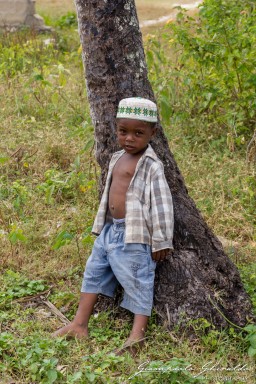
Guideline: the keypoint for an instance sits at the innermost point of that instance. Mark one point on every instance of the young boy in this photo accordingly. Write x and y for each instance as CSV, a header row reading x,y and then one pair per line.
x,y
134,223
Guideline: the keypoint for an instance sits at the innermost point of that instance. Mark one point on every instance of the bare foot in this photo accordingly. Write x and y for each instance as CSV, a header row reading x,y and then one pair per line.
x,y
132,345
72,330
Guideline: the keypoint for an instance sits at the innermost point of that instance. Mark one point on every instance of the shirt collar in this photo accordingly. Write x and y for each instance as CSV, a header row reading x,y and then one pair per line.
x,y
150,153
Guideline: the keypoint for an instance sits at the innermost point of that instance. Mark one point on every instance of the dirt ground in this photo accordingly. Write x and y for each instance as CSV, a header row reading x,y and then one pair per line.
x,y
147,9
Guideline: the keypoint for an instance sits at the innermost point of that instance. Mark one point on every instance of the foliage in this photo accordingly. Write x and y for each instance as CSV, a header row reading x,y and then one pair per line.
x,y
48,199
18,286
203,73
63,185
33,357
211,72
67,20
248,274
22,52
173,371
251,338
36,357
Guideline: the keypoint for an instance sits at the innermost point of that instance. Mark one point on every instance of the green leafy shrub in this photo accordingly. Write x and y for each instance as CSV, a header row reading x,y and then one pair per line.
x,y
209,80
16,286
251,338
248,274
33,358
59,186
25,51
20,53
67,20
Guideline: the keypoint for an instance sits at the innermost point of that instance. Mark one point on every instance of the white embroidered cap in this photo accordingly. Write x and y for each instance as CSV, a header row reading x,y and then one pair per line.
x,y
137,108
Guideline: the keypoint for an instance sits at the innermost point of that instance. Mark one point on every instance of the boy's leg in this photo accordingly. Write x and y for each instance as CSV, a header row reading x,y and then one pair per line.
x,y
79,326
139,328
97,274
136,339
135,270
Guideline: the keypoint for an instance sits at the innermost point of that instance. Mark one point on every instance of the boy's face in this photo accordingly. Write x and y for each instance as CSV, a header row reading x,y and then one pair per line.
x,y
134,135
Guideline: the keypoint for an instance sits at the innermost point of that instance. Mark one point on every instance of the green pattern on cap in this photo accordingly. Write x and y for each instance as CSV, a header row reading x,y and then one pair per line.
x,y
137,108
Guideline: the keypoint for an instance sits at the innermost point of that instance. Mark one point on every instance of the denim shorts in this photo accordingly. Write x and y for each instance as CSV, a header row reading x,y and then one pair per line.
x,y
113,261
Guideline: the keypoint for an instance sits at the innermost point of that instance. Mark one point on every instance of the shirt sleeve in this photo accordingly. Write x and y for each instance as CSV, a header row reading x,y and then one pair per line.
x,y
161,212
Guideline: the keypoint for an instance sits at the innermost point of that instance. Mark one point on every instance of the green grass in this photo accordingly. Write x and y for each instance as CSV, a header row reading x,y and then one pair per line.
x,y
48,199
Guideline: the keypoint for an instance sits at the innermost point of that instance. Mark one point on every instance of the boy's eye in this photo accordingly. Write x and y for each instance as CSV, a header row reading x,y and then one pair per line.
x,y
139,133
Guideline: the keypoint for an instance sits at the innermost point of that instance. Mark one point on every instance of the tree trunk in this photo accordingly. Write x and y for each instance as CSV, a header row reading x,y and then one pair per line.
x,y
199,280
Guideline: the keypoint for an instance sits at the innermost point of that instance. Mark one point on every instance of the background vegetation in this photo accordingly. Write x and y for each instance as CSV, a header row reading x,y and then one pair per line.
x,y
203,73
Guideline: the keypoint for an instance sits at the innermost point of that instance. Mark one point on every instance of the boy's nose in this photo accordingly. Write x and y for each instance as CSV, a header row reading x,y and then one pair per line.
x,y
129,137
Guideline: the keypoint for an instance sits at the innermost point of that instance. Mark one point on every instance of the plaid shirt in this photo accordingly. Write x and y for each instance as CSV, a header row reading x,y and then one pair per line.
x,y
149,209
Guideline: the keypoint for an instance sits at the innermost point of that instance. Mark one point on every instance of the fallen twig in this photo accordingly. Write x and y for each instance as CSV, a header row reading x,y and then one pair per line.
x,y
34,297
41,298
55,311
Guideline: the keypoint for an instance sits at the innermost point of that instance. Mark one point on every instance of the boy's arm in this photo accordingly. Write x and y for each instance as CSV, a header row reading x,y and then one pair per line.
x,y
161,215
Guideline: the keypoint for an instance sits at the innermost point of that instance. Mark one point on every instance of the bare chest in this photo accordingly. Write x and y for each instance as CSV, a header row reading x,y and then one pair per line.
x,y
124,169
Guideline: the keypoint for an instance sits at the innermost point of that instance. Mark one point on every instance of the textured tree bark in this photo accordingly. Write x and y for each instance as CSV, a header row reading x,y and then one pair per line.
x,y
198,280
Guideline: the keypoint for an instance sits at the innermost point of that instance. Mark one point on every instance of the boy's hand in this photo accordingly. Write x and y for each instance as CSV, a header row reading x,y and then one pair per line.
x,y
160,255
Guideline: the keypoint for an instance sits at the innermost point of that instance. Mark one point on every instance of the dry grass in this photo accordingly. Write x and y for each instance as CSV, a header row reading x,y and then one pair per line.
x,y
147,9
55,7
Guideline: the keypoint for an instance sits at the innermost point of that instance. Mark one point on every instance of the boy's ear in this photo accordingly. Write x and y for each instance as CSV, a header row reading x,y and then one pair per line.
x,y
154,129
